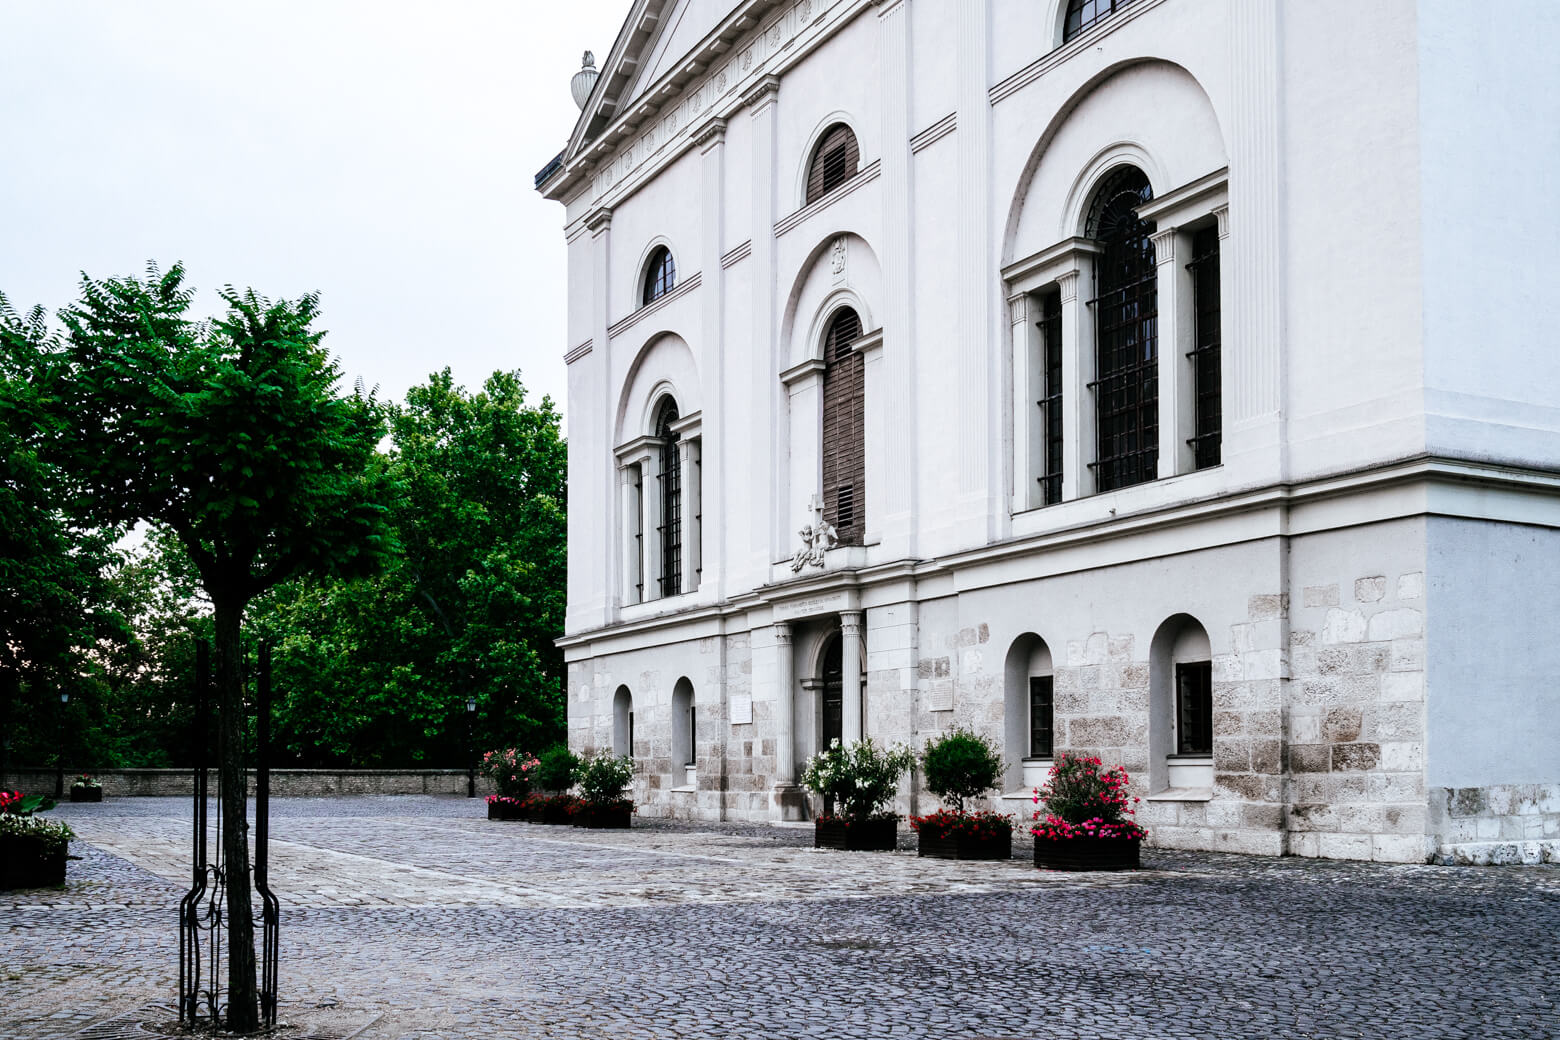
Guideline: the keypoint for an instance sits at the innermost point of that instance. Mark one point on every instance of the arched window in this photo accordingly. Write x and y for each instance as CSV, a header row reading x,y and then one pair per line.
x,y
1126,318
844,429
834,162
623,722
1081,14
670,478
685,748
660,275
1181,706
1030,712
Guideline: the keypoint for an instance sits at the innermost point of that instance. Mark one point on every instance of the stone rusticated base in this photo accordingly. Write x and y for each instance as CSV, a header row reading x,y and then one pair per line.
x,y
1498,853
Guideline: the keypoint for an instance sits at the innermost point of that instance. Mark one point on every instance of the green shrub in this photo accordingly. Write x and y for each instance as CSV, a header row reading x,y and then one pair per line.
x,y
557,769
859,779
960,765
49,836
602,778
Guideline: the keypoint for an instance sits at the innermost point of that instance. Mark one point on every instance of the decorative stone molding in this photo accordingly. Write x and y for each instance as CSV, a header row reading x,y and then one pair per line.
x,y
868,343
818,537
761,95
710,134
737,255
1049,265
575,353
682,289
1083,42
934,133
799,372
598,220
868,174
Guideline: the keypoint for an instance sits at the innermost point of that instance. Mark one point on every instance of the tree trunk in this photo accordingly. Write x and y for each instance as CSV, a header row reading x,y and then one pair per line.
x,y
243,997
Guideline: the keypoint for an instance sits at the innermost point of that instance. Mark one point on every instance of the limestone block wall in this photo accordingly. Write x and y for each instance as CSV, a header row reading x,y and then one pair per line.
x,y
1356,697
1500,824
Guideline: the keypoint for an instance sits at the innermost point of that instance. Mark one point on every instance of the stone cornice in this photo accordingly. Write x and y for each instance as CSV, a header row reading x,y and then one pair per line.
x,y
934,133
737,254
575,353
681,289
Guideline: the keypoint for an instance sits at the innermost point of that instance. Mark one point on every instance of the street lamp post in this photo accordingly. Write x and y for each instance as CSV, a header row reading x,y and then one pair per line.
x,y
471,750
59,753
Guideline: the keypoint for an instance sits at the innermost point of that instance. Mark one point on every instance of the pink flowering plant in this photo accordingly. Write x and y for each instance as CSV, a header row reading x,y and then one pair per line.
x,y
1081,800
510,770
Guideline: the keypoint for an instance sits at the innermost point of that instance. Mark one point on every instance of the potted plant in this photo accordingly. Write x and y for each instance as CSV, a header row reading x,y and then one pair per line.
x,y
957,766
556,772
32,851
602,778
1086,821
511,772
86,789
856,783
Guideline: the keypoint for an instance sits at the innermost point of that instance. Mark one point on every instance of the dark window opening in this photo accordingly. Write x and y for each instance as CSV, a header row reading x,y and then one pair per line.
x,y
1051,404
833,163
660,275
698,517
1126,319
671,502
844,430
1041,716
1208,408
1081,14
630,734
639,533
693,753
1194,708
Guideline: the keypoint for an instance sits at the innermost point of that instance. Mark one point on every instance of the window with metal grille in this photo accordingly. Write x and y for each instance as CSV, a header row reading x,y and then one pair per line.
x,y
844,429
638,477
1208,410
1126,319
1081,14
698,514
671,501
834,162
1194,708
1041,716
1051,404
660,275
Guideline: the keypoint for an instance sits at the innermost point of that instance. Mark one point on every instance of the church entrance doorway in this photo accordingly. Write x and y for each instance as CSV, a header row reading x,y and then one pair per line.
x,y
833,722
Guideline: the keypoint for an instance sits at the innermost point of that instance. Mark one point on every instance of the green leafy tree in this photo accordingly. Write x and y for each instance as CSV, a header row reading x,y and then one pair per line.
x,y
231,435
960,765
377,672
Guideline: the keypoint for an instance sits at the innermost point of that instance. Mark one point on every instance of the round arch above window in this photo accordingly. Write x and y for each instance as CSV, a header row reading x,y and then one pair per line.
x,y
836,160
660,276
1082,15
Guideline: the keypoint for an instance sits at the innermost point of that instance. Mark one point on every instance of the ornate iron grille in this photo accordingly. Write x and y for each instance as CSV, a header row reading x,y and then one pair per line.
x,y
660,275
1081,14
1126,318
1051,404
844,430
1205,353
1041,716
671,502
833,163
1194,708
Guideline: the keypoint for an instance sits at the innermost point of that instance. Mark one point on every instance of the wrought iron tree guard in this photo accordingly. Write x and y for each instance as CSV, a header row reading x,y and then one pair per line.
x,y
201,911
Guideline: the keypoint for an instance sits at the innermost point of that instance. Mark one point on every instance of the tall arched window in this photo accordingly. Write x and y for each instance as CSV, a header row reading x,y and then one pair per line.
x,y
1081,14
1126,318
833,163
660,275
670,477
844,429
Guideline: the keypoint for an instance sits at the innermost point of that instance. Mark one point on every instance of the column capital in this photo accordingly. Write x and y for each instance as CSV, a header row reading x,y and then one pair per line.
x,y
762,94
1018,309
1222,215
1067,285
599,220
782,633
1164,245
712,133
850,622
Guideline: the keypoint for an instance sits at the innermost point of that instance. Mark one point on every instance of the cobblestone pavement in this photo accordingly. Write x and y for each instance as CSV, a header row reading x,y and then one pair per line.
x,y
413,917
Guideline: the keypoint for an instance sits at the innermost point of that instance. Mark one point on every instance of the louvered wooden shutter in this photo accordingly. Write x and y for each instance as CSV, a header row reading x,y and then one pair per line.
x,y
844,430
833,163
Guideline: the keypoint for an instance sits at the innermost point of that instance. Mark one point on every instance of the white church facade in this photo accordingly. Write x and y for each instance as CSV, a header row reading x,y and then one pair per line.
x,y
1168,380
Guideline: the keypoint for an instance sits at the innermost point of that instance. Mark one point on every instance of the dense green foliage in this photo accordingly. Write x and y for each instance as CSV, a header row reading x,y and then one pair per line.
x,y
603,776
857,779
960,765
558,770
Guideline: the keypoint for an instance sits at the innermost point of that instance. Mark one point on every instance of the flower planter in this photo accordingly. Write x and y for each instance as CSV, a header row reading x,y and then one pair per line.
x,y
86,794
556,811
505,810
1087,853
604,816
964,846
856,836
24,864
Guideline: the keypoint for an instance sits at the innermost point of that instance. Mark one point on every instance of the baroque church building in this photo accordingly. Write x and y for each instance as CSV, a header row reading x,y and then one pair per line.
x,y
1172,381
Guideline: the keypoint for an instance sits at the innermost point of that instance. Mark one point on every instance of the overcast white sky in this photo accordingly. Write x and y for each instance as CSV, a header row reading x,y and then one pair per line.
x,y
379,152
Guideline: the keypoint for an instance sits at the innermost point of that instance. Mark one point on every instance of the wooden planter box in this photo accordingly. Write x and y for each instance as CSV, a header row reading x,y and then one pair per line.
x,y
23,864
871,836
1087,853
505,811
556,812
608,816
955,846
86,794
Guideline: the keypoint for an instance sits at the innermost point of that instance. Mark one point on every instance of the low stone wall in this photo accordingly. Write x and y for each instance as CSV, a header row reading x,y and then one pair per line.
x,y
1500,824
285,783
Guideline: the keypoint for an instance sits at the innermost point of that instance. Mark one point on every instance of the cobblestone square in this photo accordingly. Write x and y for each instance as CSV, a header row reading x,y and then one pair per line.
x,y
415,917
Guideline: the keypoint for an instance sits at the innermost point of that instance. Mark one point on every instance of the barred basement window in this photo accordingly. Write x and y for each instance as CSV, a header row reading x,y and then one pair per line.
x,y
1051,404
671,501
834,162
1081,14
660,276
844,429
1126,319
1194,708
1041,716
1208,412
